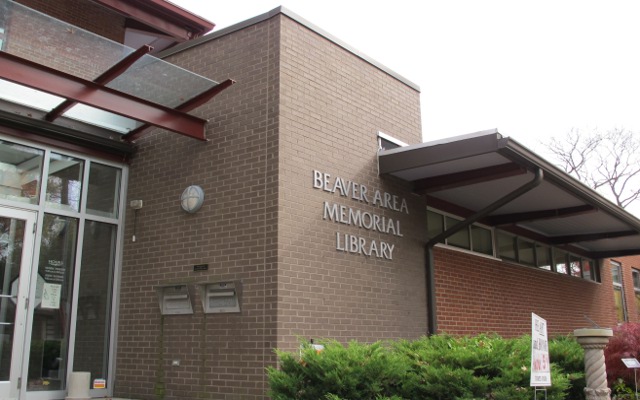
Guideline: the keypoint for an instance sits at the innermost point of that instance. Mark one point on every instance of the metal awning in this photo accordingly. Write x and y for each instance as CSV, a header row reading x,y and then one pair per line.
x,y
465,174
55,67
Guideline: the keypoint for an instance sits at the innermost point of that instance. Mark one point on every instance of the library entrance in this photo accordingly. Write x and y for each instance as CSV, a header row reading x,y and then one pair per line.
x,y
60,226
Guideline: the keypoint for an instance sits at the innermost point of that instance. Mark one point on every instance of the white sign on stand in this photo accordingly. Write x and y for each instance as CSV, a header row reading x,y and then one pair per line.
x,y
540,367
634,364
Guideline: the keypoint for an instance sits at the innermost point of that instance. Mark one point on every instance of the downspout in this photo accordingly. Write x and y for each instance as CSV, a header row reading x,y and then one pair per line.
x,y
429,267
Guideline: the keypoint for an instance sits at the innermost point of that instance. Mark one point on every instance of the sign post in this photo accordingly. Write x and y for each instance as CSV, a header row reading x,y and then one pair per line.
x,y
635,364
540,367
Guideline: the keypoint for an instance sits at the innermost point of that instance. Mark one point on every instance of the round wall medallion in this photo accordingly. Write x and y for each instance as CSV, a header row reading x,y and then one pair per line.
x,y
192,199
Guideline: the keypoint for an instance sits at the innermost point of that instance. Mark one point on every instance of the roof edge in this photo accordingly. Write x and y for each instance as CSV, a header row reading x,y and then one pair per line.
x,y
290,14
588,194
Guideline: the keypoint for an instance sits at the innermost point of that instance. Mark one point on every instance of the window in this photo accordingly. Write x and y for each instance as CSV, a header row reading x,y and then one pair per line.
x,y
575,266
560,261
510,247
388,142
475,238
20,172
589,270
543,256
618,291
507,246
636,287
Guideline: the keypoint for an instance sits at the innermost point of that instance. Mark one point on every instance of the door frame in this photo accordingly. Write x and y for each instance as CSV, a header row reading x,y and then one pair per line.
x,y
16,386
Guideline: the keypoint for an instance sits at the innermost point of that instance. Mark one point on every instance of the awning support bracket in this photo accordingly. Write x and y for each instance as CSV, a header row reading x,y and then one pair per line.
x,y
430,271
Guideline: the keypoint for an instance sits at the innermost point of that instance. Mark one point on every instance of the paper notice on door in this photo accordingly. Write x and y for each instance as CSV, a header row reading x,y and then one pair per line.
x,y
51,293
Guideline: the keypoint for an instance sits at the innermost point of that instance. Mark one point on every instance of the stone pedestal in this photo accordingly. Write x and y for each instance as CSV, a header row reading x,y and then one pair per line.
x,y
593,341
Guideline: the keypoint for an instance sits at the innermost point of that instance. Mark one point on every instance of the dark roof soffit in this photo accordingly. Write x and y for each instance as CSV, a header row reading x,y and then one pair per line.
x,y
458,179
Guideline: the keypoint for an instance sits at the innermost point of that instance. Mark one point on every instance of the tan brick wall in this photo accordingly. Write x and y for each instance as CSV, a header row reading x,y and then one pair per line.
x,y
476,294
261,209
221,356
332,106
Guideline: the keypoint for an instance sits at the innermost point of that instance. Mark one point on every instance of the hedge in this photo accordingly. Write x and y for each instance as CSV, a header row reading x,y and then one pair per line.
x,y
438,367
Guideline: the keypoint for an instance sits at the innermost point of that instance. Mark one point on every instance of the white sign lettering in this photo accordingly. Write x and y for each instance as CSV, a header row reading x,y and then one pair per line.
x,y
342,214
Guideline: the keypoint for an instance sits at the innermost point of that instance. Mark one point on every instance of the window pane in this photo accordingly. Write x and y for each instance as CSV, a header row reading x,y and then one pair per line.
x,y
104,190
620,314
20,172
543,254
482,242
460,238
615,274
506,246
12,233
526,252
435,224
64,184
94,299
50,333
574,266
636,279
588,270
560,261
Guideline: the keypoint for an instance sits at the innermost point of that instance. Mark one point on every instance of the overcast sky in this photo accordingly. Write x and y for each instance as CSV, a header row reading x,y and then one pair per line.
x,y
532,69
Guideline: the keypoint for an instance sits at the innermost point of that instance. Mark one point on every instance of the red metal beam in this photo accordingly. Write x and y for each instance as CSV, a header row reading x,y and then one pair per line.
x,y
186,106
40,77
104,78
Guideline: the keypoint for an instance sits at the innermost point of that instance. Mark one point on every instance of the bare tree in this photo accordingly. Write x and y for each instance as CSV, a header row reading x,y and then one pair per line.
x,y
609,162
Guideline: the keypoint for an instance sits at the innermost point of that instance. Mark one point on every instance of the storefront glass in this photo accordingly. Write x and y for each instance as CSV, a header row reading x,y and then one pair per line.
x,y
94,299
70,284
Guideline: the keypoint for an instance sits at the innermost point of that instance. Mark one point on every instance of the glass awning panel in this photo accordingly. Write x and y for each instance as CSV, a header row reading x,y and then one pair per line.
x,y
72,52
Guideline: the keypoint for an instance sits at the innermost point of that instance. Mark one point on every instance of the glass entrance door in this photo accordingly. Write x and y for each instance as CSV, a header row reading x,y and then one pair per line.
x,y
16,250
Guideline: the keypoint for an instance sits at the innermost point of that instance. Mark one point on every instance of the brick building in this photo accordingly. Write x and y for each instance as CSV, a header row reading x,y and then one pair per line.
x,y
324,216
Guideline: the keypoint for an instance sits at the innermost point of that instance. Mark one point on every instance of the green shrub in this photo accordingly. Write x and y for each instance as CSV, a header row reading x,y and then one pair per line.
x,y
438,367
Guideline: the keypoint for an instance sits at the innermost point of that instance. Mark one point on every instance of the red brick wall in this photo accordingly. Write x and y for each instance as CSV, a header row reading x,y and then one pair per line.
x,y
84,14
222,356
476,294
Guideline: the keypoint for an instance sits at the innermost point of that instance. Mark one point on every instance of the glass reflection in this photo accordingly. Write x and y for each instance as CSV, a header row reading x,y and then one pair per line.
x,y
64,184
91,352
104,190
11,240
20,172
49,339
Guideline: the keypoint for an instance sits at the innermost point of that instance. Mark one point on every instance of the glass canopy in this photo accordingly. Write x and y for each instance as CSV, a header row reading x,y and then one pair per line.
x,y
52,50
